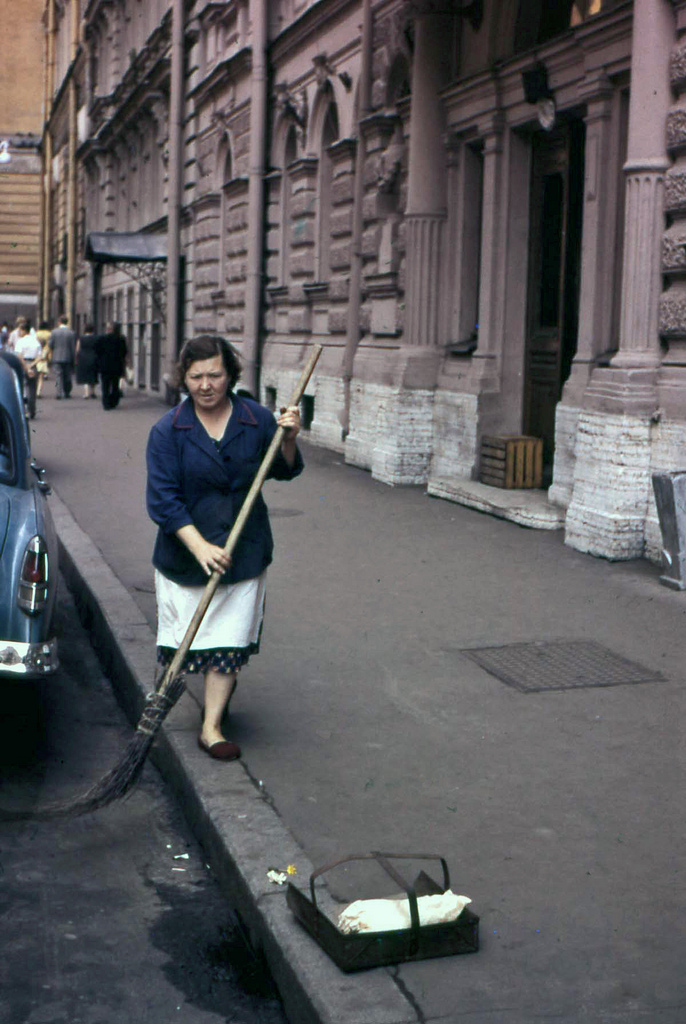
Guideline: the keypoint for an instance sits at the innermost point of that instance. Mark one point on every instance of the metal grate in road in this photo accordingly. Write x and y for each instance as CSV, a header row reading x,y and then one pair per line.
x,y
560,665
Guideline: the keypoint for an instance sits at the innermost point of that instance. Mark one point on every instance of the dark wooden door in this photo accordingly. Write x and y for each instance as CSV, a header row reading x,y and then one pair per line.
x,y
554,264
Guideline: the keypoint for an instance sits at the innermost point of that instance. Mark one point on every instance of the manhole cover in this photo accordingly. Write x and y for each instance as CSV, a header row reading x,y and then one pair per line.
x,y
564,665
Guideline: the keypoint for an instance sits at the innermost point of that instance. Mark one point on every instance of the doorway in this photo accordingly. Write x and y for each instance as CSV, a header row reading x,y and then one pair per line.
x,y
557,187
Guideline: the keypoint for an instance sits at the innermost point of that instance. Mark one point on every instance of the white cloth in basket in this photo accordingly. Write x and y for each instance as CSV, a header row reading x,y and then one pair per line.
x,y
393,914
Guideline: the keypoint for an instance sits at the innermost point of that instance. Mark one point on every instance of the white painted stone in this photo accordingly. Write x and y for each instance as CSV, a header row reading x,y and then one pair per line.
x,y
454,442
566,423
607,513
526,508
390,432
328,394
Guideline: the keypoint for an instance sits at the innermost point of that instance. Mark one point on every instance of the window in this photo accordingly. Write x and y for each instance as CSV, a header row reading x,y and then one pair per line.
x,y
227,175
539,20
329,136
290,153
7,467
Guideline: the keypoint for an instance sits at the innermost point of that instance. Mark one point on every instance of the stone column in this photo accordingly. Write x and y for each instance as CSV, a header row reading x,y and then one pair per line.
x,y
394,382
597,246
672,376
597,277
669,433
426,191
647,162
611,490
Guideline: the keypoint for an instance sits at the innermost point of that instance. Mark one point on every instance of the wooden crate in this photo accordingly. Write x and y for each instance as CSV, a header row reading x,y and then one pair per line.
x,y
512,461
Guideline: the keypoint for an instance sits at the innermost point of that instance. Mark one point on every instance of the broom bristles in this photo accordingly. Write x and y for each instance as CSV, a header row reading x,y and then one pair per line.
x,y
121,779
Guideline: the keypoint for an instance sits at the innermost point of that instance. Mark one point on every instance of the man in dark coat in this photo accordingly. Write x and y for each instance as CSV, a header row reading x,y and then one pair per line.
x,y
111,355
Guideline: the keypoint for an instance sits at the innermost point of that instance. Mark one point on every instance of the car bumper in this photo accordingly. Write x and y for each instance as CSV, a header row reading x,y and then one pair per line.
x,y
28,660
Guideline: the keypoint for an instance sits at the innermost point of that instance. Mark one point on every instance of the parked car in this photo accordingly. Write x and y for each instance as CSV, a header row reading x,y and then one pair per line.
x,y
28,546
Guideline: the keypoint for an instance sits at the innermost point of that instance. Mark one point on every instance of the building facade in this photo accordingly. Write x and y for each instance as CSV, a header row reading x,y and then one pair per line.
x,y
478,209
21,122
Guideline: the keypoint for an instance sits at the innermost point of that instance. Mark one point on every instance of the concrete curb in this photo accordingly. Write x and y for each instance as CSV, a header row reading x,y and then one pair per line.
x,y
231,816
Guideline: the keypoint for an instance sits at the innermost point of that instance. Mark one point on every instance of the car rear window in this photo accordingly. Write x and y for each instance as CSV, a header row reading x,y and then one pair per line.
x,y
7,457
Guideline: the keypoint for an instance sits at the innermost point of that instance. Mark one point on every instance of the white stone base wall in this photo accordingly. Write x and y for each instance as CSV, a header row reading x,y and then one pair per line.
x,y
454,442
329,401
282,381
328,394
668,453
607,513
566,425
390,432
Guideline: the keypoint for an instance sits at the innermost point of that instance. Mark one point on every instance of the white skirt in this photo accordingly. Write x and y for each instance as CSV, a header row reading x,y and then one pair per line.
x,y
233,619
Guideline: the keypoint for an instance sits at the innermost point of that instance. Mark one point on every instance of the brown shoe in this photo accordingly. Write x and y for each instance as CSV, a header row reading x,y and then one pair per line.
x,y
220,750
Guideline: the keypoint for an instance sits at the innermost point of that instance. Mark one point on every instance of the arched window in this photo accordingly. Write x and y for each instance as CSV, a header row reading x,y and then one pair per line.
x,y
329,136
289,155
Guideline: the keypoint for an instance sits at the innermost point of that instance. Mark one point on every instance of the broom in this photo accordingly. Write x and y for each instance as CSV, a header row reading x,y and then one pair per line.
x,y
121,779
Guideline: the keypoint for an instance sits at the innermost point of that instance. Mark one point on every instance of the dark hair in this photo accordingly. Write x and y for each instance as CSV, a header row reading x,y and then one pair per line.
x,y
89,328
207,346
44,326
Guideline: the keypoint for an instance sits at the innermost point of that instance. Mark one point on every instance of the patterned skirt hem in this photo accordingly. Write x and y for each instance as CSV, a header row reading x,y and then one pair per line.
x,y
219,659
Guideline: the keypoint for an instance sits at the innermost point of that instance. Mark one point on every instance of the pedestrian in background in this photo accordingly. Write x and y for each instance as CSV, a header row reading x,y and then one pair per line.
x,y
43,364
87,361
111,356
4,335
202,458
63,350
14,335
28,350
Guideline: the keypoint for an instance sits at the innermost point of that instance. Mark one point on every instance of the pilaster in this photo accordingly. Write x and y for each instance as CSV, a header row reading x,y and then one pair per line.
x,y
600,205
597,277
426,190
672,375
611,487
393,384
484,360
424,262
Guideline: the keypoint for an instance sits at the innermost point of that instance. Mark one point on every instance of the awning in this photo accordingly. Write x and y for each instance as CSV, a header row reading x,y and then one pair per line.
x,y
125,247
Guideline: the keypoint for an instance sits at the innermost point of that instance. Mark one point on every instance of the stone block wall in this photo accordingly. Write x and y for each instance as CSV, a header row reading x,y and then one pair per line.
x,y
454,439
206,230
277,385
609,506
391,432
566,424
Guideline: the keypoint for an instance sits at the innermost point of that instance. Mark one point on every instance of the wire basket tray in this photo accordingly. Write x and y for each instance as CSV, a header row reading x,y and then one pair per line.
x,y
357,951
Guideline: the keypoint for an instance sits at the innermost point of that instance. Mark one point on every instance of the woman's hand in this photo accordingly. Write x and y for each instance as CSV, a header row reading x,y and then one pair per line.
x,y
290,421
210,557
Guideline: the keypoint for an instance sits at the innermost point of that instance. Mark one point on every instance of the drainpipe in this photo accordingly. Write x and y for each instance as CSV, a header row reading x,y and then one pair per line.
x,y
46,219
174,190
71,192
355,293
256,225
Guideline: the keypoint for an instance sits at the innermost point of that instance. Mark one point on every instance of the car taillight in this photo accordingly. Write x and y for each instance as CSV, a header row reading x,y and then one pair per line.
x,y
33,580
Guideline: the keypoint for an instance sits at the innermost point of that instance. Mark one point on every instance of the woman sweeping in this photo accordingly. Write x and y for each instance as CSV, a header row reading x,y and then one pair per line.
x,y
202,457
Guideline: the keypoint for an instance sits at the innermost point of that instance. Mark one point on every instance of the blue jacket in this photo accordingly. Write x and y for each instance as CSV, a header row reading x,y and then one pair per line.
x,y
192,480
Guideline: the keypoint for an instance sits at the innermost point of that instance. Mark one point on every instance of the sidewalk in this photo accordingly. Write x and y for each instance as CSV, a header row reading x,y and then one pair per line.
x,y
364,725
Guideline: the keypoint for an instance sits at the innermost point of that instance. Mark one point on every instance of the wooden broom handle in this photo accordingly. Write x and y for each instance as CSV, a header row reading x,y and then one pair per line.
x,y
237,528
